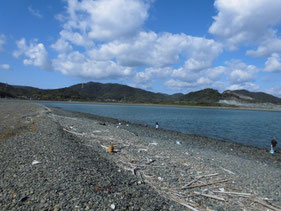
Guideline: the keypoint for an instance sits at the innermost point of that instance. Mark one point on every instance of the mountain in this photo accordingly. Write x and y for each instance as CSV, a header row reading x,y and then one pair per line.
x,y
87,92
213,97
250,97
92,91
205,95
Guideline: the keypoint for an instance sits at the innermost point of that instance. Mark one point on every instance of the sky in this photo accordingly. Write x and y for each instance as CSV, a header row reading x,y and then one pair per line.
x,y
167,46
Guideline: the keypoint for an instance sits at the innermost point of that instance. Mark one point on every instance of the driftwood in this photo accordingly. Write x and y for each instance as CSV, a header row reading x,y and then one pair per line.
x,y
74,133
266,204
234,193
210,196
195,180
207,184
183,203
228,171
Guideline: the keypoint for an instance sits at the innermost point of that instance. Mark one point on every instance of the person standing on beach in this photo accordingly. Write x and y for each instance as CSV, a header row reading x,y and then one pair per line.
x,y
157,125
273,144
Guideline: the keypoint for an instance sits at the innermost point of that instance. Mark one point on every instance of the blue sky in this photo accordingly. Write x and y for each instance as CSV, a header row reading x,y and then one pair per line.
x,y
158,45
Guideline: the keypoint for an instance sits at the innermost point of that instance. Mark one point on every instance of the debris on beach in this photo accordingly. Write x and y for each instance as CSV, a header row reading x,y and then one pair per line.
x,y
112,206
153,143
189,177
35,162
110,148
178,142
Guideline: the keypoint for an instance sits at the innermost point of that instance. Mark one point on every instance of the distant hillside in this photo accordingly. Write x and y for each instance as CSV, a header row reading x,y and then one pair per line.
x,y
121,93
205,95
213,97
250,97
88,92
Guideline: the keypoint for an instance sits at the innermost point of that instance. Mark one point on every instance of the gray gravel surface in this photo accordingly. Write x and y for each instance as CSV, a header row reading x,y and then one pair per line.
x,y
44,167
149,170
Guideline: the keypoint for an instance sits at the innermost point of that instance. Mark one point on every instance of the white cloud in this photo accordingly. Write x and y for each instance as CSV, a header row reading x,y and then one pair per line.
x,y
77,64
244,21
190,80
34,12
273,63
5,66
240,72
104,20
35,54
276,91
266,48
249,86
2,41
62,46
106,40
151,49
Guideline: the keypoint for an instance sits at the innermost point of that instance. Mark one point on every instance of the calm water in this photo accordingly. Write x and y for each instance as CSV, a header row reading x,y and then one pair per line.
x,y
242,126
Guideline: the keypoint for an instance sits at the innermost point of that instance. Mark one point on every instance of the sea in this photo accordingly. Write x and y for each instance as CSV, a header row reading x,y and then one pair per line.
x,y
248,127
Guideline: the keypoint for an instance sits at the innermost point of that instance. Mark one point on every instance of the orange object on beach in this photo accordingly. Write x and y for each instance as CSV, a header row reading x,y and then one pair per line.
x,y
110,148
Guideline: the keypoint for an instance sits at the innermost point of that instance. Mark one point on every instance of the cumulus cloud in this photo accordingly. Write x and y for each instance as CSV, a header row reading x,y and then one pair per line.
x,y
194,80
102,20
35,54
151,49
99,29
2,41
273,63
266,48
241,74
244,21
62,45
5,66
69,64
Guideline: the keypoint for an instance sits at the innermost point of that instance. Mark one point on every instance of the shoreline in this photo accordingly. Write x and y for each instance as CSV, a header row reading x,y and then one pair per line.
x,y
147,104
226,146
176,132
150,169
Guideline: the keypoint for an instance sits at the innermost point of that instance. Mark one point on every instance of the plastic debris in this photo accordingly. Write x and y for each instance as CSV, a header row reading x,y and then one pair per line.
x,y
153,143
35,162
160,179
110,148
178,142
112,206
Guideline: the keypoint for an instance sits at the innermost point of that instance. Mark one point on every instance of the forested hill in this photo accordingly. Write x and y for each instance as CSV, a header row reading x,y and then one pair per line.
x,y
92,91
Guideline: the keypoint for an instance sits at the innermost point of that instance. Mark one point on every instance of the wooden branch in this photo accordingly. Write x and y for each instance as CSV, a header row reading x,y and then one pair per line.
x,y
207,184
195,180
234,193
183,203
210,196
228,171
266,204
74,133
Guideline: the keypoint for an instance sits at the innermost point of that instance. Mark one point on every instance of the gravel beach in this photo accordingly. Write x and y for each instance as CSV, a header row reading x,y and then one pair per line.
x,y
53,159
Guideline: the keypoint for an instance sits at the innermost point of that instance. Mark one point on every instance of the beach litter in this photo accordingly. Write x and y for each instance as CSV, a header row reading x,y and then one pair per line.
x,y
112,206
178,142
153,143
35,162
110,148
